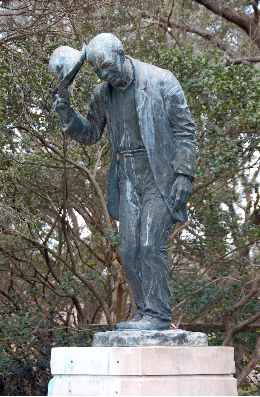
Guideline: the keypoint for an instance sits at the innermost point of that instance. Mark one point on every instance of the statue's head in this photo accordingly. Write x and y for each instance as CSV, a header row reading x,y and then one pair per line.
x,y
105,55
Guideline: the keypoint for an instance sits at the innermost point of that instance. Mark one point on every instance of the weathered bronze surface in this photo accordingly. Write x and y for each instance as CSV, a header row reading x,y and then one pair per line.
x,y
152,165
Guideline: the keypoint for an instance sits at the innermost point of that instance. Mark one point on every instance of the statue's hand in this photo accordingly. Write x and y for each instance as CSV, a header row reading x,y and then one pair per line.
x,y
61,105
181,191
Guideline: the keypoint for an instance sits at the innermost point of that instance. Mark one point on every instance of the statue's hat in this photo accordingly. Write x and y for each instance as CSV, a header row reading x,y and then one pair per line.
x,y
64,64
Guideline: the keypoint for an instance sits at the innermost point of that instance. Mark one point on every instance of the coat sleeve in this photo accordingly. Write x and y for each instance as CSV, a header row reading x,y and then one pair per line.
x,y
90,129
182,127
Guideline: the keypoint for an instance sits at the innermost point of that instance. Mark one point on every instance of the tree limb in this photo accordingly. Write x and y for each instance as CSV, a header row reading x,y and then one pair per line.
x,y
211,326
238,61
246,299
230,14
256,10
200,32
9,297
251,365
239,327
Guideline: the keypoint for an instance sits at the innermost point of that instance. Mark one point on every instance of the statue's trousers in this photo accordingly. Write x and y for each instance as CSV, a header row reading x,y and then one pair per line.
x,y
145,223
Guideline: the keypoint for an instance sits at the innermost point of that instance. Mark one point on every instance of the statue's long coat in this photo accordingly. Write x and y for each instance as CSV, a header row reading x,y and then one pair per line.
x,y
165,124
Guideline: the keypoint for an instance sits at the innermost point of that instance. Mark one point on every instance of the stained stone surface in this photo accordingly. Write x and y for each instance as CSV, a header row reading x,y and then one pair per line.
x,y
168,338
143,371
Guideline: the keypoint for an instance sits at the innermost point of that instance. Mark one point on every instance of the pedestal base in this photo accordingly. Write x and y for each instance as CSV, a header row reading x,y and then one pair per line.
x,y
142,371
177,337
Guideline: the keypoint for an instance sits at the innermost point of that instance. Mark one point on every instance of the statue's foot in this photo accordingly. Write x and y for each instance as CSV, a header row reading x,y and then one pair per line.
x,y
147,323
125,324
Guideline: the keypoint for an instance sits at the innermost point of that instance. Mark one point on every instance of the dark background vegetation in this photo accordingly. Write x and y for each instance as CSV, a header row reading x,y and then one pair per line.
x,y
61,276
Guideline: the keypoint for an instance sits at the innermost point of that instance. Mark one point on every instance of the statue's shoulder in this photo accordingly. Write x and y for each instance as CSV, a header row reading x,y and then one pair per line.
x,y
154,72
162,73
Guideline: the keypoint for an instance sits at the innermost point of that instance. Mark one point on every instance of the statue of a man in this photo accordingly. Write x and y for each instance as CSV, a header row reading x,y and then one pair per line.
x,y
152,165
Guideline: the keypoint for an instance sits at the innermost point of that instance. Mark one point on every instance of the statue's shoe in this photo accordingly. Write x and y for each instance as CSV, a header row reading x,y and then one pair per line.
x,y
125,324
147,323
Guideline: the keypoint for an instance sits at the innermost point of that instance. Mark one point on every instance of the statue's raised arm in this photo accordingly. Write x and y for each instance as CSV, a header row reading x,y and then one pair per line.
x,y
64,65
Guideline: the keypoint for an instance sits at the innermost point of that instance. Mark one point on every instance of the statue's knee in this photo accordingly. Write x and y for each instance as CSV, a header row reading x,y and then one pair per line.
x,y
146,249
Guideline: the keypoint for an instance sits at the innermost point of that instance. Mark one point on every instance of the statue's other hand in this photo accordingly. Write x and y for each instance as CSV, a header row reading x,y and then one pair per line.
x,y
181,191
61,104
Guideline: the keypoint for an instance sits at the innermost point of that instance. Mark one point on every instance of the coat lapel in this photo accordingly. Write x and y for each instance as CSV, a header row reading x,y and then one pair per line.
x,y
143,100
113,193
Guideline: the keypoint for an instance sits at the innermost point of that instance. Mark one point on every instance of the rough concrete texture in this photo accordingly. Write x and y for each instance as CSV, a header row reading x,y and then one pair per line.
x,y
168,338
142,371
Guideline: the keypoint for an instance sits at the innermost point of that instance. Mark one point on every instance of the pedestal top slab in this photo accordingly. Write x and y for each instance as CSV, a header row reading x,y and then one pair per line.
x,y
143,361
168,338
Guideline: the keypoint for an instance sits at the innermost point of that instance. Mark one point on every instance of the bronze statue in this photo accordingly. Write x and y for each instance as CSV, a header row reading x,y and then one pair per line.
x,y
152,165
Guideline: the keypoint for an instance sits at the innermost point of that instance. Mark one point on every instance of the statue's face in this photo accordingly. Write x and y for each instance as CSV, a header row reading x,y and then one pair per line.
x,y
108,65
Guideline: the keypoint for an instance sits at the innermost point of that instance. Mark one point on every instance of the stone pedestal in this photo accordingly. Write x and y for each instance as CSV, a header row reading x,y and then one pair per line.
x,y
168,370
169,338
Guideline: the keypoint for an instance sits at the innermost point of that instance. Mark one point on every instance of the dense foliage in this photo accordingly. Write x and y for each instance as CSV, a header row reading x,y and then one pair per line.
x,y
61,276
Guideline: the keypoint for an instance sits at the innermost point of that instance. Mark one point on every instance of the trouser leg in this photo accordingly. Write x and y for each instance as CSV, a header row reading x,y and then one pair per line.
x,y
129,230
145,223
156,222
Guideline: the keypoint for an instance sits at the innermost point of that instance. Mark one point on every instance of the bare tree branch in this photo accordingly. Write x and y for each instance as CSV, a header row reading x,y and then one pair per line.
x,y
256,10
234,16
8,296
251,365
200,32
246,299
238,61
211,326
239,327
